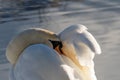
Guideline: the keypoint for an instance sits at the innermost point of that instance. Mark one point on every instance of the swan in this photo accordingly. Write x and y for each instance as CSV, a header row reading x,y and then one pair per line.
x,y
39,54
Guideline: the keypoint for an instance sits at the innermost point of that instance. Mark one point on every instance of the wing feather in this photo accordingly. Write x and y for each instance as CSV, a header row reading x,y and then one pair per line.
x,y
39,62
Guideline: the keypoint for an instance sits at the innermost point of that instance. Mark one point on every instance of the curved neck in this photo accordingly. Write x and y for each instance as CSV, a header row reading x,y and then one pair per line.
x,y
25,39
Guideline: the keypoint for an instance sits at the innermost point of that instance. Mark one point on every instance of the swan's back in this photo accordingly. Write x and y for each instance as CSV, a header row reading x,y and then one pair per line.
x,y
39,62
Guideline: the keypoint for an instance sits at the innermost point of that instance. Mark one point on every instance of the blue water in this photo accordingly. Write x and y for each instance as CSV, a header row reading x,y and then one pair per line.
x,y
102,17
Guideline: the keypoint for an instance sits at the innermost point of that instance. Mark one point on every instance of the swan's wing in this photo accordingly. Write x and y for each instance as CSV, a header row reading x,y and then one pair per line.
x,y
79,34
86,46
39,62
85,43
79,42
90,41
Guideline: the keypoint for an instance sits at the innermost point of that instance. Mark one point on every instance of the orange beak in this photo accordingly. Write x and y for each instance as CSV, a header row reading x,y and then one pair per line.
x,y
58,50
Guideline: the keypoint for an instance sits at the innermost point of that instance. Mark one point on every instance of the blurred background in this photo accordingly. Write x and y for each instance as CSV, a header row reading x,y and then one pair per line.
x,y
102,17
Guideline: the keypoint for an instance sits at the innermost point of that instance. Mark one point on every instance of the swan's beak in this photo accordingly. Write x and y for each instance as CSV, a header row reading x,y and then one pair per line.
x,y
57,45
57,48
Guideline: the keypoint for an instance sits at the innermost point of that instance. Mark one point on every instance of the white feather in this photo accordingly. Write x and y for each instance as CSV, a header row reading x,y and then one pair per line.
x,y
78,41
40,61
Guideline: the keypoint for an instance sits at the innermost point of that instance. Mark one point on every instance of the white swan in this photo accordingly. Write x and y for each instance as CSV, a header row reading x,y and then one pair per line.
x,y
38,54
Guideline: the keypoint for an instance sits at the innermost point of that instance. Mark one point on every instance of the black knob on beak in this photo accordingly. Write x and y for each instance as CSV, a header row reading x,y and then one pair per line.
x,y
56,43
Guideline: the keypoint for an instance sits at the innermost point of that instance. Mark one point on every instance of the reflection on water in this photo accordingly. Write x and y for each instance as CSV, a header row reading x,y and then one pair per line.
x,y
11,10
101,17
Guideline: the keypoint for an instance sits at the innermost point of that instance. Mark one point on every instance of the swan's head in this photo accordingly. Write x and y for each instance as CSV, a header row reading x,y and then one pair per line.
x,y
29,37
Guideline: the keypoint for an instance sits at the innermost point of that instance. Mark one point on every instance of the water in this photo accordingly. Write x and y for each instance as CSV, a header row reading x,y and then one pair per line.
x,y
101,17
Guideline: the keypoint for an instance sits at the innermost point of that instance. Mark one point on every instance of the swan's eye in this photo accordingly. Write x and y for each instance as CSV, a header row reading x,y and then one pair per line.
x,y
56,43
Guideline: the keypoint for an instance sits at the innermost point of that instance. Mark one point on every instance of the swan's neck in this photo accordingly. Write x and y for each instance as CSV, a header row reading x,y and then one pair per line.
x,y
22,41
